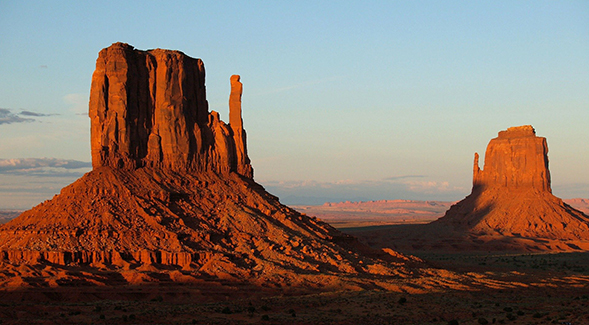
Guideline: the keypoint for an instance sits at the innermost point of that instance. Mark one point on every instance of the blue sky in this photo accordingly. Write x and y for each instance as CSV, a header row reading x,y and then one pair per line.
x,y
342,99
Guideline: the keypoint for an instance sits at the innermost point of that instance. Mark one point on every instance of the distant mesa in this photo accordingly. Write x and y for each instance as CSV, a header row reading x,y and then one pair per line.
x,y
172,187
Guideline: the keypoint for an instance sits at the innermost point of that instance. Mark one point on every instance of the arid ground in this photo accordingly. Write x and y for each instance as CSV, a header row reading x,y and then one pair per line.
x,y
500,288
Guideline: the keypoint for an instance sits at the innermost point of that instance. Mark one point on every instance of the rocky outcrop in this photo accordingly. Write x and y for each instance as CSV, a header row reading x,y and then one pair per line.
x,y
516,160
512,196
235,121
149,108
172,185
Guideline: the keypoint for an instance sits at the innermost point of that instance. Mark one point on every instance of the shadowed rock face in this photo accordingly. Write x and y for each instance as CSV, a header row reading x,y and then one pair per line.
x,y
512,195
149,108
172,185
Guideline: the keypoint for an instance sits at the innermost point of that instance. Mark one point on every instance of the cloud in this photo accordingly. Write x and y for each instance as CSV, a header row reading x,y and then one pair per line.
x,y
35,114
396,178
397,187
7,117
44,167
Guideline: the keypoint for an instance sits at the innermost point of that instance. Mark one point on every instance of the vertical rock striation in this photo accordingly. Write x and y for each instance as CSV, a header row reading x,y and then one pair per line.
x,y
149,108
516,160
512,196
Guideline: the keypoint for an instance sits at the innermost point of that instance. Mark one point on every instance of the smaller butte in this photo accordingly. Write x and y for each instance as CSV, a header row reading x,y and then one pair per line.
x,y
511,207
511,195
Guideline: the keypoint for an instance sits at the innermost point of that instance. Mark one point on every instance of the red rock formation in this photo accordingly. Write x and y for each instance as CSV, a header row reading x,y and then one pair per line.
x,y
236,123
516,159
512,196
149,108
172,185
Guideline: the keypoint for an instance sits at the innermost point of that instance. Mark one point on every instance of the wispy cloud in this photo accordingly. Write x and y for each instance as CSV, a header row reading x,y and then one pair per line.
x,y
396,187
7,117
35,114
44,167
396,178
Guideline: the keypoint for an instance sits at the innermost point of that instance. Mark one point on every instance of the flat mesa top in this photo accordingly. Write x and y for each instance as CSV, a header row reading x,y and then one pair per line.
x,y
518,132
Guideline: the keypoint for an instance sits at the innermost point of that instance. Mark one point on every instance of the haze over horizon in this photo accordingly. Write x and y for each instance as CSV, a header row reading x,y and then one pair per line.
x,y
342,100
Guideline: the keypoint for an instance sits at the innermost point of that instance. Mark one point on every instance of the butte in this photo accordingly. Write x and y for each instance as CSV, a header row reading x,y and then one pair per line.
x,y
511,207
172,188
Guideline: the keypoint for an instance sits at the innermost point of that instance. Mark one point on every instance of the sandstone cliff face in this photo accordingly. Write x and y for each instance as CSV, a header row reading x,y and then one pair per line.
x,y
516,159
172,185
512,195
149,108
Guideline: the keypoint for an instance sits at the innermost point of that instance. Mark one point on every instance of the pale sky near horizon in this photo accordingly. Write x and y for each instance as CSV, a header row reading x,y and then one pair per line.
x,y
343,100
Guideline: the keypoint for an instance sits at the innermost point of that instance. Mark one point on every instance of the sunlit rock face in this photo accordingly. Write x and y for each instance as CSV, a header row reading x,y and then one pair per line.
x,y
149,108
172,185
515,160
511,195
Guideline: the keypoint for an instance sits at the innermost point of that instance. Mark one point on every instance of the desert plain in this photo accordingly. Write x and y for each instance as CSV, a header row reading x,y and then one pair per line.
x,y
502,288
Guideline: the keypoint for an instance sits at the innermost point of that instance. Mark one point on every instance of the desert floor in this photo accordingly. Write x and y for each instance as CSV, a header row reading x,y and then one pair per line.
x,y
518,289
547,289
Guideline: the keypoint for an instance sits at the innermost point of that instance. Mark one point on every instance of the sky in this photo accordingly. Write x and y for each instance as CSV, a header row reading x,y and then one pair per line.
x,y
343,100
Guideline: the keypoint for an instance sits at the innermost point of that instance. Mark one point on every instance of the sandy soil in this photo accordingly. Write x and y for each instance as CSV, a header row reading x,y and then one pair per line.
x,y
518,289
456,288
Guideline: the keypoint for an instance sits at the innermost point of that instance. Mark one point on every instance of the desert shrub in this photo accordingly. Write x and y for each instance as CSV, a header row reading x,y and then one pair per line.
x,y
402,300
520,313
265,317
510,316
483,321
508,309
453,322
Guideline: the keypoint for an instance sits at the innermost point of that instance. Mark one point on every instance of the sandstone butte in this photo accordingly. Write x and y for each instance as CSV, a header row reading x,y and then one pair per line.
x,y
511,196
511,208
172,187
